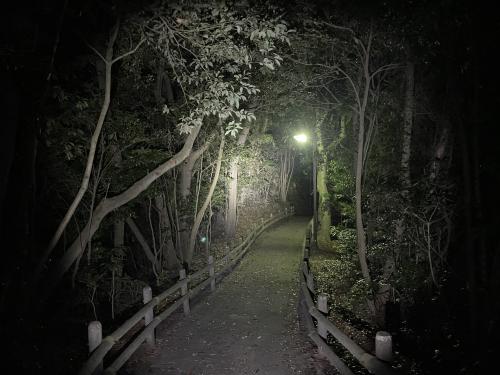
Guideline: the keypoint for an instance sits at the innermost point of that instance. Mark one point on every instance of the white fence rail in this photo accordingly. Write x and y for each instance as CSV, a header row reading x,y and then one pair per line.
x,y
187,287
318,334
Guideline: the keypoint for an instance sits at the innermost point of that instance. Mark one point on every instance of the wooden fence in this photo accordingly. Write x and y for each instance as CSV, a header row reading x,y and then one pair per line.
x,y
186,288
318,313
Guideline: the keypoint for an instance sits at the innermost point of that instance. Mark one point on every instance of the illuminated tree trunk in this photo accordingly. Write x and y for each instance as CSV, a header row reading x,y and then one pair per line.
x,y
107,205
201,212
287,160
187,170
185,215
324,215
232,189
108,61
360,230
90,157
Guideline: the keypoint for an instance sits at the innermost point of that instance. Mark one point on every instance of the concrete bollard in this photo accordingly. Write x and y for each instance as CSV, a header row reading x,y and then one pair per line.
x,y
322,306
184,291
147,296
95,338
383,346
211,272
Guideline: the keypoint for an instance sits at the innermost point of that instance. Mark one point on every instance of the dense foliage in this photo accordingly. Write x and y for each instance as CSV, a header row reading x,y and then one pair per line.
x,y
136,133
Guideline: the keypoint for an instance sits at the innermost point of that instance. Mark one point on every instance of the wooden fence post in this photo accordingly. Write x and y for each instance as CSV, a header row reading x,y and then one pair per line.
x,y
95,339
322,306
147,296
383,346
310,282
211,271
184,290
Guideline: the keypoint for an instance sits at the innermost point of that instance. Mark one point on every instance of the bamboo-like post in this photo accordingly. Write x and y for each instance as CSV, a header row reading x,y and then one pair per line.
x,y
184,291
211,272
147,296
322,306
95,338
383,346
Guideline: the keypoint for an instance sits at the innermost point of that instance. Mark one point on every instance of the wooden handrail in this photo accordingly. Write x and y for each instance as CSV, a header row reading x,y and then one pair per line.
x,y
367,360
97,356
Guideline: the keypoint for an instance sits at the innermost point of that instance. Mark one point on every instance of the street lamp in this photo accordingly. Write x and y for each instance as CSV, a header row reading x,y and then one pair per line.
x,y
302,138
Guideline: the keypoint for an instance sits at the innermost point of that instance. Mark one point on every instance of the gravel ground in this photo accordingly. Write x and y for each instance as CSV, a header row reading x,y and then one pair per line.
x,y
249,325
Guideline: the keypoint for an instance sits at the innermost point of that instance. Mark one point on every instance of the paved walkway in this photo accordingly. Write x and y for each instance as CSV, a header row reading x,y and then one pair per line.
x,y
248,325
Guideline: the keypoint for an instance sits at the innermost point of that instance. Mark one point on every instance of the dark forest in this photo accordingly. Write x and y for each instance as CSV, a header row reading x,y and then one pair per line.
x,y
143,143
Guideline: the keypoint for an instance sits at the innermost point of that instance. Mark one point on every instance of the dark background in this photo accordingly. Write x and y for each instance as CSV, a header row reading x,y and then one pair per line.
x,y
38,38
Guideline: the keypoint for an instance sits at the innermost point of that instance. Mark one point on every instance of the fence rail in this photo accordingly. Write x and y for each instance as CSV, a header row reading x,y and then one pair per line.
x,y
318,334
99,347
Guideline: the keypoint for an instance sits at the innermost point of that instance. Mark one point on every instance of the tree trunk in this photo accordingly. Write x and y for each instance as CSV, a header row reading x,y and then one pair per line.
x,y
186,176
90,157
360,230
119,224
232,189
166,244
107,205
118,233
407,128
287,159
201,212
324,215
383,293
187,170
142,241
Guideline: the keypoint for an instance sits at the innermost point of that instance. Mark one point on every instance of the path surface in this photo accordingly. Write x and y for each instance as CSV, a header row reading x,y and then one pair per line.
x,y
248,325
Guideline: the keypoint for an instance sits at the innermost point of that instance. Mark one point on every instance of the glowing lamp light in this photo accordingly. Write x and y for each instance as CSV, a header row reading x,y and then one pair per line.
x,y
301,138
203,239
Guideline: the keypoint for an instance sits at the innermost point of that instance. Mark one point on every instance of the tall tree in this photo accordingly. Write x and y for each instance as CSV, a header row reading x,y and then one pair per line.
x,y
214,73
232,188
287,161
203,208
108,61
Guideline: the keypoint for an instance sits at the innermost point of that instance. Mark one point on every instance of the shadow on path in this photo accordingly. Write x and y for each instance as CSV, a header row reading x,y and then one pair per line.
x,y
248,325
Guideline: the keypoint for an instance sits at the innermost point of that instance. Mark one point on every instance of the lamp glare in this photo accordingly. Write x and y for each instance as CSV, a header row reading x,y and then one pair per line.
x,y
301,138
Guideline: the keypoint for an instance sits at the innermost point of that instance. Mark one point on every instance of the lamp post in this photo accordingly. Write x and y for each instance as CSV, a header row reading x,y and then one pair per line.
x,y
302,138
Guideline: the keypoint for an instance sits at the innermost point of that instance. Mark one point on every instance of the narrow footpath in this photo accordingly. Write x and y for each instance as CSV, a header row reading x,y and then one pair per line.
x,y
249,325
